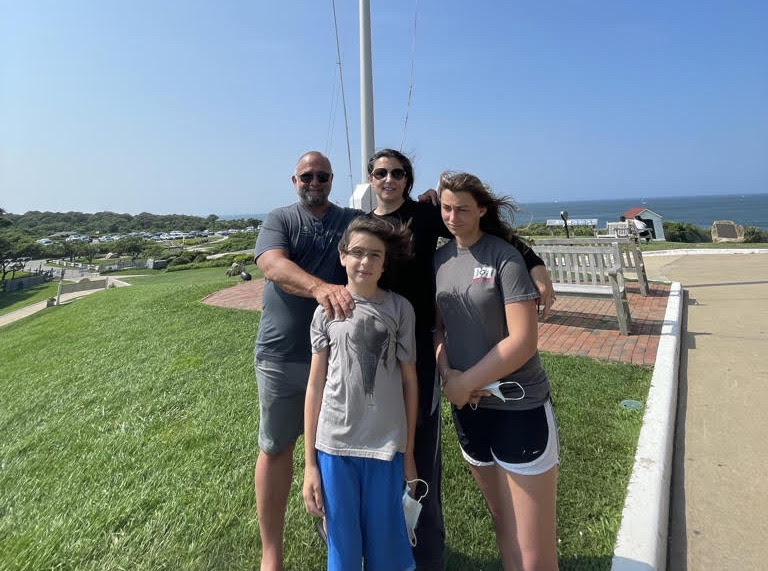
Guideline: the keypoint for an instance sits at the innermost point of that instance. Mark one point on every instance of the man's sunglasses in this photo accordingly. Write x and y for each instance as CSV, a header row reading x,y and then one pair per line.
x,y
381,174
322,177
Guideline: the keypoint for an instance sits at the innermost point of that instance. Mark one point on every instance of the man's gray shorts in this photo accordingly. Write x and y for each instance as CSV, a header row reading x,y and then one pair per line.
x,y
282,387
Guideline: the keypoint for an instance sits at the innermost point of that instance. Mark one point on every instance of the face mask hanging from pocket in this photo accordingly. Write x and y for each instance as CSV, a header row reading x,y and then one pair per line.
x,y
412,509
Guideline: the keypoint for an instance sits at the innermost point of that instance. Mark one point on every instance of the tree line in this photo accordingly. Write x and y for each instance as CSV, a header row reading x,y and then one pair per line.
x,y
43,224
19,233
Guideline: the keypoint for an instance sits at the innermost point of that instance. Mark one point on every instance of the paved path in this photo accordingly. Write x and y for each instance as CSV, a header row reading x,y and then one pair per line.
x,y
577,326
719,505
7,318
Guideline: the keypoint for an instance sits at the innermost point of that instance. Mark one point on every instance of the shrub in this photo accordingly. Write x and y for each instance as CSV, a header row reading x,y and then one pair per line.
x,y
541,229
226,261
685,232
234,242
182,259
243,259
753,235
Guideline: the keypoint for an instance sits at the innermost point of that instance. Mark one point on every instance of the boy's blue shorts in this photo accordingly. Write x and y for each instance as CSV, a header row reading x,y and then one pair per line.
x,y
364,513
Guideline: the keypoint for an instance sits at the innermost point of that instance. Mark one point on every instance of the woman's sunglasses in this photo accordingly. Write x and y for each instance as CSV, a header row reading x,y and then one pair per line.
x,y
381,174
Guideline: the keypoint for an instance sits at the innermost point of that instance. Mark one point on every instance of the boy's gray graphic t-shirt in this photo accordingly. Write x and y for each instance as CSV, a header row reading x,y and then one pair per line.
x,y
473,285
363,411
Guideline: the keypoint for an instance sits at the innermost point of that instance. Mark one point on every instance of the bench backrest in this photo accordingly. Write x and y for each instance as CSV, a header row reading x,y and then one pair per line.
x,y
580,264
621,229
630,256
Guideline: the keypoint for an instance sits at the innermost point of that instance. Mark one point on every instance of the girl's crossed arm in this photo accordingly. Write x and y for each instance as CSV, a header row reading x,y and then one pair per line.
x,y
505,357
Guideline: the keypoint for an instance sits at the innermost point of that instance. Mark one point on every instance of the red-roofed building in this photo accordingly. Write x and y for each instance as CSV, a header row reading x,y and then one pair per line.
x,y
652,220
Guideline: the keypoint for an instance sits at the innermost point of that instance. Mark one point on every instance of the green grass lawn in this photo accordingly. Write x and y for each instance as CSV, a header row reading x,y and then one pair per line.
x,y
129,422
13,300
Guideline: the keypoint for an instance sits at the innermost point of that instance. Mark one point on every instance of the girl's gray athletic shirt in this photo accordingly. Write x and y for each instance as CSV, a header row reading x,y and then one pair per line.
x,y
473,285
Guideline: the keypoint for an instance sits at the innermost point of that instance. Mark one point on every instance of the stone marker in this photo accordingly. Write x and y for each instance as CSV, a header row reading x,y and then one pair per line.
x,y
727,231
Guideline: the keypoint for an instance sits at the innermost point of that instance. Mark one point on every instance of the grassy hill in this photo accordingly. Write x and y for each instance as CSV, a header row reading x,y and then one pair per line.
x,y
129,422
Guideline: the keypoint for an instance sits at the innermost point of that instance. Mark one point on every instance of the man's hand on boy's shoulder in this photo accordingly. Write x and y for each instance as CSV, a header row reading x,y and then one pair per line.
x,y
335,299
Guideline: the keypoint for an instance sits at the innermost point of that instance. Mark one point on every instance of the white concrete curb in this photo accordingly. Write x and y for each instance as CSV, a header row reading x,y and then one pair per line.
x,y
641,543
699,251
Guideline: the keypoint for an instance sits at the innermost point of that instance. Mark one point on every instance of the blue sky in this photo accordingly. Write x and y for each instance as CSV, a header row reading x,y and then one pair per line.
x,y
202,107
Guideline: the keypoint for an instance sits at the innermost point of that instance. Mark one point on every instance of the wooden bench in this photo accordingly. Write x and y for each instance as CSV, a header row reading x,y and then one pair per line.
x,y
630,256
588,271
621,229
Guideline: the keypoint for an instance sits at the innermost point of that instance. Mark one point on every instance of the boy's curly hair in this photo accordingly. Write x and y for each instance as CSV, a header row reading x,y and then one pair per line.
x,y
396,238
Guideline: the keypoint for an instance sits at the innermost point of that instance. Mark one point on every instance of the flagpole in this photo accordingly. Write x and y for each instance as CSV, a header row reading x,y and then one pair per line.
x,y
363,197
366,87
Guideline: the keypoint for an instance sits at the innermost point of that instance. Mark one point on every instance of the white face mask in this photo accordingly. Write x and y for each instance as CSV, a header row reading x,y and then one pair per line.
x,y
495,389
412,510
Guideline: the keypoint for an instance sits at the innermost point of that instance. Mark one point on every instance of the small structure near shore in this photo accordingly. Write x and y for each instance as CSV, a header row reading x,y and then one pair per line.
x,y
727,231
652,220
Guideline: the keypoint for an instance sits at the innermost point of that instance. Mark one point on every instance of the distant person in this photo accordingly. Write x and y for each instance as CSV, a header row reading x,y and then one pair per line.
x,y
642,228
360,412
486,344
391,176
297,251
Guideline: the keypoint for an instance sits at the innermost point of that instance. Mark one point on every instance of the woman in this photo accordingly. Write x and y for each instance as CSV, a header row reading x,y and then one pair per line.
x,y
485,340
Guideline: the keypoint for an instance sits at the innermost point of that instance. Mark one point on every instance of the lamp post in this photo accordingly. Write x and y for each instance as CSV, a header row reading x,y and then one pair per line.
x,y
564,216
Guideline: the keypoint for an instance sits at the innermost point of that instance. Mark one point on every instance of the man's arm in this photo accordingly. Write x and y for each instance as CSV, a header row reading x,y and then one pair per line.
x,y
279,268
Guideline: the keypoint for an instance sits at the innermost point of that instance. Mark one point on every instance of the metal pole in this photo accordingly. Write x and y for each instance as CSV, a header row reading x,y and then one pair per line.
x,y
366,89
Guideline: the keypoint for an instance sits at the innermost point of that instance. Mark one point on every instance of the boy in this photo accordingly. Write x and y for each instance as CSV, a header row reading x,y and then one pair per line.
x,y
360,410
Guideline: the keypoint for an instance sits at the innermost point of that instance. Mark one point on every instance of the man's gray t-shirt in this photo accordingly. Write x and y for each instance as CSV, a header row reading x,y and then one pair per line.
x,y
363,409
473,285
312,243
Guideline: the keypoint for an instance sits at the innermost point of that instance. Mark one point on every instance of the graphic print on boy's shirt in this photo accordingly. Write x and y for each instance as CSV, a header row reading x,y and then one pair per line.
x,y
370,342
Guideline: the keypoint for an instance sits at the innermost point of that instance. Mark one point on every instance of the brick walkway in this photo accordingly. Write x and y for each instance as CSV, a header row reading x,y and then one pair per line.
x,y
244,295
581,326
576,326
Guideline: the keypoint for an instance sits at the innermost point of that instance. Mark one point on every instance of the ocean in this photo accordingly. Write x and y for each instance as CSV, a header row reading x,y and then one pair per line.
x,y
744,209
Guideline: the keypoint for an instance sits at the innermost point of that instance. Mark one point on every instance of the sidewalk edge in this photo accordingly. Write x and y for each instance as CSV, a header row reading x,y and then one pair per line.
x,y
641,543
